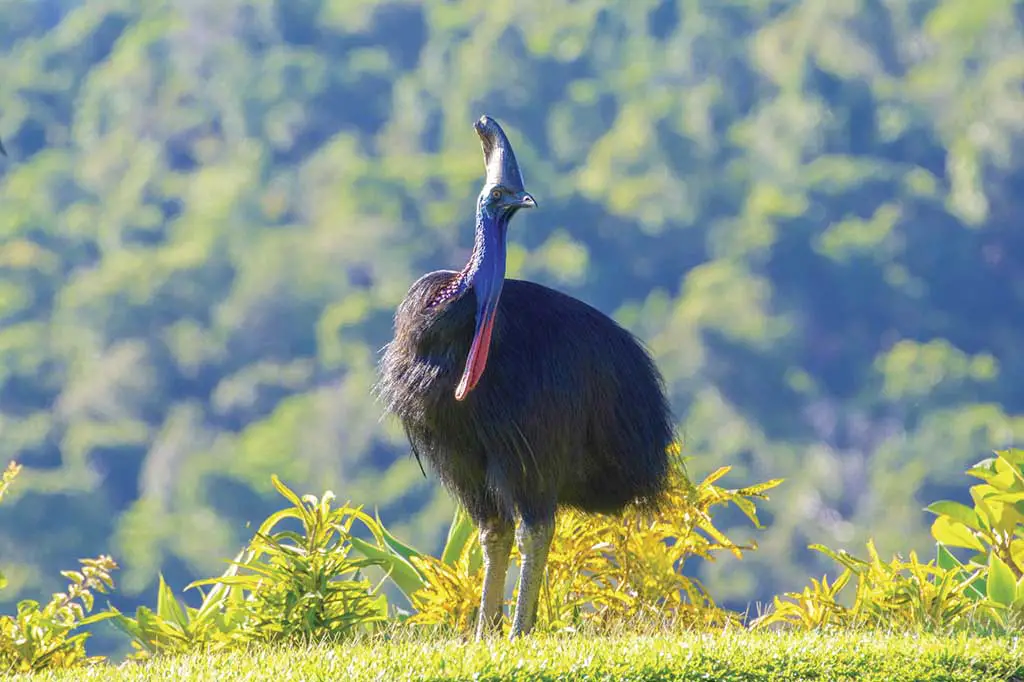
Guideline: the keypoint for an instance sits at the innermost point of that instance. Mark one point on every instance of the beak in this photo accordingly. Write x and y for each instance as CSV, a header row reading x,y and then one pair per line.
x,y
526,200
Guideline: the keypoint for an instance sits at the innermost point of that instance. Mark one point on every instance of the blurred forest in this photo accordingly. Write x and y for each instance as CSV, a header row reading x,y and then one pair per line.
x,y
811,211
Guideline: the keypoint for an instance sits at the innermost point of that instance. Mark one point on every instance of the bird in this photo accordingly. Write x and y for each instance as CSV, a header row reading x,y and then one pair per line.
x,y
522,399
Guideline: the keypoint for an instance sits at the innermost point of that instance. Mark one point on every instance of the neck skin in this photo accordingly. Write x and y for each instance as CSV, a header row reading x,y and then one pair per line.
x,y
486,272
488,259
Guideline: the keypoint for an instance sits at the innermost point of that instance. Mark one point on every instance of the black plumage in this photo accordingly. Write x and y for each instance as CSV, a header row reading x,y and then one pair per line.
x,y
569,411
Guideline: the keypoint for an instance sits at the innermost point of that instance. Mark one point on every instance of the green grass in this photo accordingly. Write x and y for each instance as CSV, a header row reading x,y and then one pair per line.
x,y
722,656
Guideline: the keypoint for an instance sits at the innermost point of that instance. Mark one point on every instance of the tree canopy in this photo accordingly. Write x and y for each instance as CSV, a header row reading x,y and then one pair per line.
x,y
811,212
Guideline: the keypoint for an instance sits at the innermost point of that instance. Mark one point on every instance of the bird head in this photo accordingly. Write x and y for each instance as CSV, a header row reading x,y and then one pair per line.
x,y
503,194
503,191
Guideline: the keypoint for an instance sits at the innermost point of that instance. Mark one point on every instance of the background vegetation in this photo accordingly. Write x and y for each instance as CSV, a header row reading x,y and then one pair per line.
x,y
810,212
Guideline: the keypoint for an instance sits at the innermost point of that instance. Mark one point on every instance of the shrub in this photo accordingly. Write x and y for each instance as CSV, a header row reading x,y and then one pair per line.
x,y
287,585
895,595
175,627
40,636
307,582
601,569
986,591
993,528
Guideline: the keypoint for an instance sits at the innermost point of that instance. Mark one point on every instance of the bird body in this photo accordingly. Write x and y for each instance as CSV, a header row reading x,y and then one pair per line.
x,y
565,417
521,398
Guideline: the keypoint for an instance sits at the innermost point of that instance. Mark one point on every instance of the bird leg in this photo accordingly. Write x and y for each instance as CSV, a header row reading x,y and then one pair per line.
x,y
534,541
496,544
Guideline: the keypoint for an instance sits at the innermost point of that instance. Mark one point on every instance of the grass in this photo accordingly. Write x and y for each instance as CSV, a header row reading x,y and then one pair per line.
x,y
729,655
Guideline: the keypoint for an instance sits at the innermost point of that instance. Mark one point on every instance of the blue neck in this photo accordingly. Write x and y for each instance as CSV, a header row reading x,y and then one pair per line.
x,y
487,261
488,258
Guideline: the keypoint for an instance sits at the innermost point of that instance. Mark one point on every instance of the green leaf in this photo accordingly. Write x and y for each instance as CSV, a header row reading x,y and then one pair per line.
x,y
240,580
128,626
277,517
396,545
459,533
1014,456
957,512
167,606
1005,479
978,587
1017,551
98,617
988,514
1013,460
1002,587
286,492
220,593
748,509
153,625
985,469
1006,498
758,489
1010,512
400,570
955,534
945,560
841,557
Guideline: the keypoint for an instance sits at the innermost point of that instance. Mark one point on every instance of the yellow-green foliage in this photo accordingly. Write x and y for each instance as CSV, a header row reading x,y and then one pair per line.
x,y
305,582
605,569
451,593
609,568
7,477
895,595
39,636
175,627
944,593
287,585
993,528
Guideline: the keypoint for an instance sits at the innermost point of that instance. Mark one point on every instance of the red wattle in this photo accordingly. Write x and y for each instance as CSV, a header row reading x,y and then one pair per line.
x,y
477,360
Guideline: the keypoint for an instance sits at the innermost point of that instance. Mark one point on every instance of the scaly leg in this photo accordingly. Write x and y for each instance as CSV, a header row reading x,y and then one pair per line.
x,y
496,544
534,542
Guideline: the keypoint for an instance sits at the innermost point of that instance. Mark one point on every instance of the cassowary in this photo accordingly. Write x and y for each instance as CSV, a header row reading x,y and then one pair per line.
x,y
522,399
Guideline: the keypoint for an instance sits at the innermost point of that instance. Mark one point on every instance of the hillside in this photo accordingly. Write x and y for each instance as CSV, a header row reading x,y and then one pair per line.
x,y
809,211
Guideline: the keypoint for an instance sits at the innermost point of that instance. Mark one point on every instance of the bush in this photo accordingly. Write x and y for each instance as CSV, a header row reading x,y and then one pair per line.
x,y
307,582
40,636
601,570
985,592
993,528
287,585
895,595
297,585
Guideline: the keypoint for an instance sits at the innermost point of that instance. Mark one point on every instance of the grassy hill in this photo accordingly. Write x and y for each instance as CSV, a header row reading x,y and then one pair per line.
x,y
729,655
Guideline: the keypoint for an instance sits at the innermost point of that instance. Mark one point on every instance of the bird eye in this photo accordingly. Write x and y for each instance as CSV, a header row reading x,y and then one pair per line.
x,y
496,194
